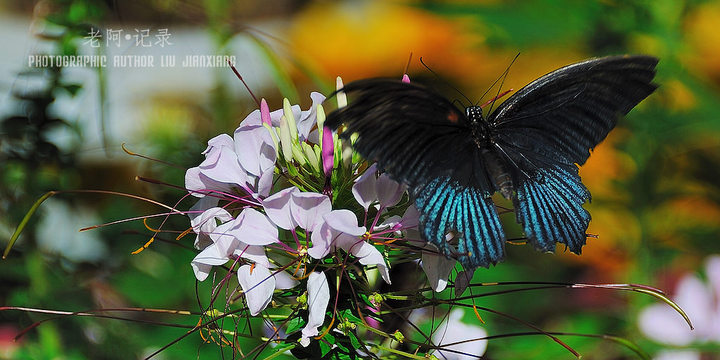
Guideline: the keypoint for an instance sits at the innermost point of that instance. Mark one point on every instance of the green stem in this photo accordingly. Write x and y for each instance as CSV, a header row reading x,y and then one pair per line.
x,y
25,220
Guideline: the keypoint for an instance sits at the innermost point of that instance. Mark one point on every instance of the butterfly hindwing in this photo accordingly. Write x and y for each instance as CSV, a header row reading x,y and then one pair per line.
x,y
468,213
550,207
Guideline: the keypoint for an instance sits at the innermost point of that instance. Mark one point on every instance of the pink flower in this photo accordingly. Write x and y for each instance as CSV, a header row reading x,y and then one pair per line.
x,y
328,151
340,231
700,301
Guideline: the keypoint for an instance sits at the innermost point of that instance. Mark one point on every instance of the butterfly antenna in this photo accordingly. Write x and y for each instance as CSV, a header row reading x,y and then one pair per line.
x,y
243,81
407,66
448,84
503,77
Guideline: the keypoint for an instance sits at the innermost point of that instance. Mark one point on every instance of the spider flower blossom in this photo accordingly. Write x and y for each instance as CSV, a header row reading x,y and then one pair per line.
x,y
266,210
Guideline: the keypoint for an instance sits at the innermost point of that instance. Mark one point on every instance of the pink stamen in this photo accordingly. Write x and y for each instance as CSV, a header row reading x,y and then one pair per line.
x,y
265,112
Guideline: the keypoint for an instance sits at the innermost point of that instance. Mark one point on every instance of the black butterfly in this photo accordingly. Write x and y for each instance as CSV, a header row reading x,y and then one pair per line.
x,y
528,149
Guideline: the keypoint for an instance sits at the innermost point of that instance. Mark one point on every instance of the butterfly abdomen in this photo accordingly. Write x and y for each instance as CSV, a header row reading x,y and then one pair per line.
x,y
497,172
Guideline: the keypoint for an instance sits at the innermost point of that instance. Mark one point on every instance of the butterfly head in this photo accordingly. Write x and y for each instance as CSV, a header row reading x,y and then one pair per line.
x,y
474,114
480,128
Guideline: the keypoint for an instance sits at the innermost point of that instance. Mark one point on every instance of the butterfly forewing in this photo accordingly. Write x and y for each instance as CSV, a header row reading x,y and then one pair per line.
x,y
414,134
561,116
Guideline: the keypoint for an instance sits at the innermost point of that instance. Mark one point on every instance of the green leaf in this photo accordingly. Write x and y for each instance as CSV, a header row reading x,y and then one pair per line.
x,y
354,340
24,222
295,324
342,347
326,344
348,314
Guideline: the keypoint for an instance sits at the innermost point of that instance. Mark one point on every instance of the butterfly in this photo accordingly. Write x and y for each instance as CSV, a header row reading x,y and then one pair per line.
x,y
528,149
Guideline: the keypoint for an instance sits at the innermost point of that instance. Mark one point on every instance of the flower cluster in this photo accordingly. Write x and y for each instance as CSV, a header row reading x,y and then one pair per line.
x,y
285,202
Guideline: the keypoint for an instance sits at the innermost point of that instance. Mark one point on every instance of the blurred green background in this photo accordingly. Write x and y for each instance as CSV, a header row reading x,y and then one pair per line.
x,y
655,180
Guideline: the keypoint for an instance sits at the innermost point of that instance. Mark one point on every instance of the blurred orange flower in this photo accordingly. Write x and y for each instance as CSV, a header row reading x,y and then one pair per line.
x,y
363,39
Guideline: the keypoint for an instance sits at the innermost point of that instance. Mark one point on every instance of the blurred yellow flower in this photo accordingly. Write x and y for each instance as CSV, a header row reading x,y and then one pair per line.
x,y
704,38
362,39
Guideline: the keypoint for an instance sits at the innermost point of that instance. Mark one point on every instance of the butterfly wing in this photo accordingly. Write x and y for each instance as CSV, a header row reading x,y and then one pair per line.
x,y
550,125
411,132
561,116
444,205
423,140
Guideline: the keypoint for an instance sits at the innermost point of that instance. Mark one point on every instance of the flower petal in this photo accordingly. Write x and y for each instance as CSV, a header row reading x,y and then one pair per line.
x,y
366,253
437,267
389,192
677,355
277,208
216,143
307,118
206,259
254,148
198,184
344,221
226,168
254,228
411,218
308,208
203,224
258,285
284,280
712,270
364,188
255,254
318,297
223,239
321,237
462,280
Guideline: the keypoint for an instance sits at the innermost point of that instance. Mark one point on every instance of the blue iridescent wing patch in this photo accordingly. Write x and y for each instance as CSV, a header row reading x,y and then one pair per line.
x,y
469,212
550,208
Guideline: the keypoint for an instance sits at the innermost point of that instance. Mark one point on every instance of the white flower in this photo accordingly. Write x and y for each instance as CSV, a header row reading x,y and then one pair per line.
x,y
467,340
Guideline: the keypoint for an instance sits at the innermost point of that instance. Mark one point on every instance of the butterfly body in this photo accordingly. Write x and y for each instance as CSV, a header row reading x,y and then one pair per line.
x,y
528,149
